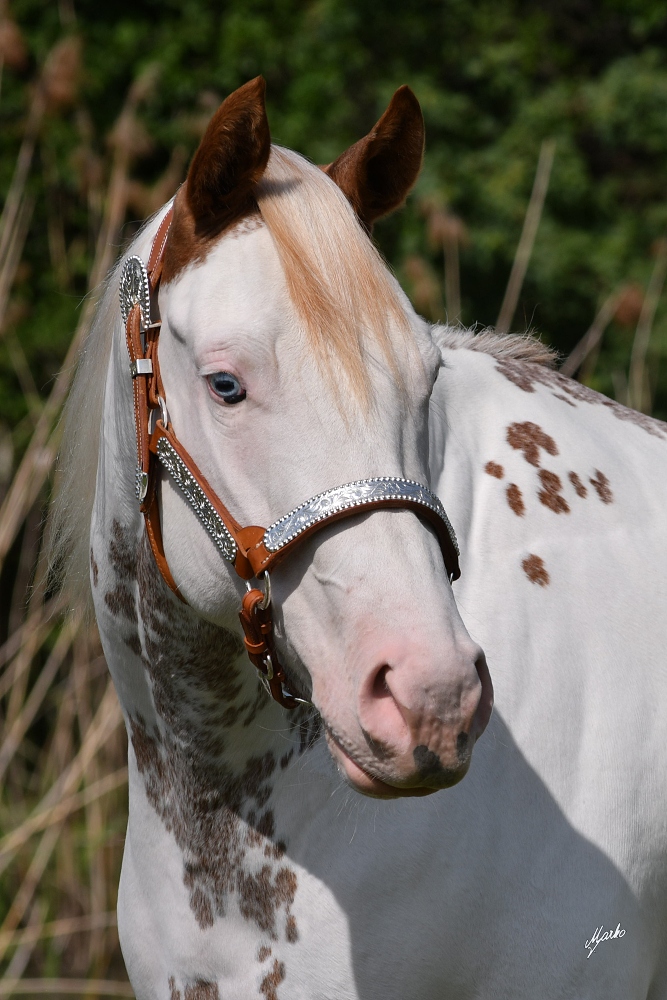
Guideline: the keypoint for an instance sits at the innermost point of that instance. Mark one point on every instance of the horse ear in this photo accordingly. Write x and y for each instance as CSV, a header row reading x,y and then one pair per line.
x,y
377,173
231,158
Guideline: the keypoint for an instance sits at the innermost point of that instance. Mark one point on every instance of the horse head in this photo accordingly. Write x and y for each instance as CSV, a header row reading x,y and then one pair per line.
x,y
292,363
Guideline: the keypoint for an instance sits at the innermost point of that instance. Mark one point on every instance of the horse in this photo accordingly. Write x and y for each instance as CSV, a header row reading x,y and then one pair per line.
x,y
267,369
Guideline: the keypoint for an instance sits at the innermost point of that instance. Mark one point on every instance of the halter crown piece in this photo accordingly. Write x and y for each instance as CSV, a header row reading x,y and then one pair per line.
x,y
252,550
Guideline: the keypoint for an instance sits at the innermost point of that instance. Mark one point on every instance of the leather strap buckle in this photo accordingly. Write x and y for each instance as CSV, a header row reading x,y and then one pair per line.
x,y
141,366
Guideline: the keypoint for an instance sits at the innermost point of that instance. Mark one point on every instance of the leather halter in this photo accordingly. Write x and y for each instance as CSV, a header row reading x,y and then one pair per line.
x,y
252,550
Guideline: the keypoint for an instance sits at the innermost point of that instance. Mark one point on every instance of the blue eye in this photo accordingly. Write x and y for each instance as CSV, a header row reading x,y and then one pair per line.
x,y
226,386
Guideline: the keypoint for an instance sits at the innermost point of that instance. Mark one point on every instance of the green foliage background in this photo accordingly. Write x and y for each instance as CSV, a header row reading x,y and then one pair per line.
x,y
495,77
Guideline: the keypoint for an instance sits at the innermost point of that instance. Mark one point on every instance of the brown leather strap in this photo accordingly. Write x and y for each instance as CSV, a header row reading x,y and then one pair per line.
x,y
154,266
147,388
257,624
154,532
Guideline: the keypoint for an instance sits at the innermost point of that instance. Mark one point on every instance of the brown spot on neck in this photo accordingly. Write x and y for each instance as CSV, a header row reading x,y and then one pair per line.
x,y
495,470
216,809
550,494
579,487
526,376
515,500
528,438
201,989
535,570
272,980
600,483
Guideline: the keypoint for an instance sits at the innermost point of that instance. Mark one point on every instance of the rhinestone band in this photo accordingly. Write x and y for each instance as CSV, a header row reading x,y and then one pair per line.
x,y
356,494
197,499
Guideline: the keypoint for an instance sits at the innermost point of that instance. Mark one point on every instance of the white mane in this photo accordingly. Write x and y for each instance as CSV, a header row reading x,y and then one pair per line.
x,y
508,346
76,472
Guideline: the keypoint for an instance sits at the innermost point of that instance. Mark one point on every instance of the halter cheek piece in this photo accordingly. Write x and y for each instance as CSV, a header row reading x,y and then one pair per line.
x,y
252,550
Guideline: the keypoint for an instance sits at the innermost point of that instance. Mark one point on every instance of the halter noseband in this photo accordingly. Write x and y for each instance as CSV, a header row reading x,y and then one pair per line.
x,y
252,550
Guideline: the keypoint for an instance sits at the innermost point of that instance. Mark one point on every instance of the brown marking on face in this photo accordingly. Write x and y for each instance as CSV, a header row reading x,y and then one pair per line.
x,y
94,568
263,953
291,930
535,570
216,812
601,485
526,376
529,438
272,980
495,470
579,487
550,494
515,500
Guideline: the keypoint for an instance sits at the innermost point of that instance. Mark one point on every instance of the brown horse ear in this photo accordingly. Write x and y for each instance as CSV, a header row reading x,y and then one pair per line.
x,y
377,172
231,158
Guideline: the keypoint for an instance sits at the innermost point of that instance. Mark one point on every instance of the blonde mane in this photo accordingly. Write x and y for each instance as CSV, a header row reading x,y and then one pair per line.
x,y
342,289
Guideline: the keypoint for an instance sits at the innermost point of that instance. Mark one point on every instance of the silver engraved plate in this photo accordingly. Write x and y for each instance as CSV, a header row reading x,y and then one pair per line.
x,y
355,494
140,484
134,288
197,499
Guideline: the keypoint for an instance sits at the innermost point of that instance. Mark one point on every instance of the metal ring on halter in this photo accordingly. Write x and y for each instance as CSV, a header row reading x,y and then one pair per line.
x,y
163,412
267,591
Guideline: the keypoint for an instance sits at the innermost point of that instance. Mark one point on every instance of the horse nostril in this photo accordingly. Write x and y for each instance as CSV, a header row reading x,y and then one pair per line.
x,y
379,687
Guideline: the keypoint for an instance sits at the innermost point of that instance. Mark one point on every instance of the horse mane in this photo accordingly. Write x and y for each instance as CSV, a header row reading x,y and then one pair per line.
x,y
342,290
502,346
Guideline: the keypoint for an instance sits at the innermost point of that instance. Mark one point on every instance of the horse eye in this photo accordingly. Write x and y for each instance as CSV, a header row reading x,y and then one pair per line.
x,y
226,386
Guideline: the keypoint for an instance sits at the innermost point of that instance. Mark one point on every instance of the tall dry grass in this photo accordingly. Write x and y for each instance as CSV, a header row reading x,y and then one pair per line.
x,y
63,771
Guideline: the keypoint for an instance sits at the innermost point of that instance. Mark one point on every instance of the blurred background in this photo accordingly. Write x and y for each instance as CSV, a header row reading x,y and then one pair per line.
x,y
542,206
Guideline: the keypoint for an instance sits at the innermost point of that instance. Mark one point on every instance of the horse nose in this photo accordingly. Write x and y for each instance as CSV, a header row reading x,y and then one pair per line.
x,y
421,720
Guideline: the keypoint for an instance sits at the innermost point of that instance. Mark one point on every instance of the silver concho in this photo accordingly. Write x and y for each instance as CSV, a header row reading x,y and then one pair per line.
x,y
355,494
134,288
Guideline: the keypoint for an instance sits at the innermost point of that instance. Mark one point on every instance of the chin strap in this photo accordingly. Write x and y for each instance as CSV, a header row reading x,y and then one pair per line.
x,y
251,550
